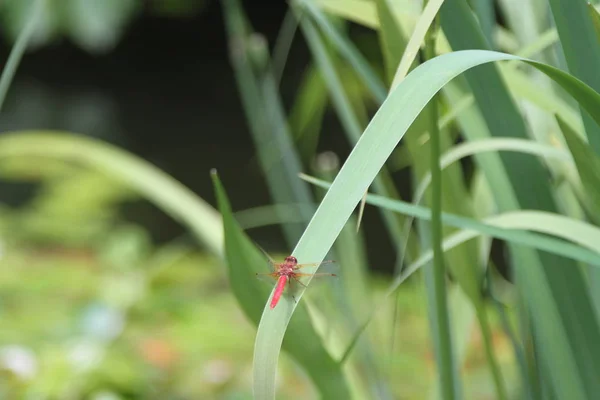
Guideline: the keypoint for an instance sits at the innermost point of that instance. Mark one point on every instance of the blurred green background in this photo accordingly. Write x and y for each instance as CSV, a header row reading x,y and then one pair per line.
x,y
105,296
102,295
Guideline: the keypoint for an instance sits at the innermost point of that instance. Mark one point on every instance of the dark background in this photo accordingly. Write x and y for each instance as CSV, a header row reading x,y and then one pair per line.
x,y
167,93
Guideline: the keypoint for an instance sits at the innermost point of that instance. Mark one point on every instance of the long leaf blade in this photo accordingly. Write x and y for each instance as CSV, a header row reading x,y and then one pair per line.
x,y
368,156
244,260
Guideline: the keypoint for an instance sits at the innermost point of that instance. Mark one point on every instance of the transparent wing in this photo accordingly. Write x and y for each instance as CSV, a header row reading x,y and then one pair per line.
x,y
264,252
327,274
325,267
267,278
302,265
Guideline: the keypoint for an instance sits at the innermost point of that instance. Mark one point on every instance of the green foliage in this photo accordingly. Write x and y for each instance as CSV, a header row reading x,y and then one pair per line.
x,y
95,26
106,312
244,260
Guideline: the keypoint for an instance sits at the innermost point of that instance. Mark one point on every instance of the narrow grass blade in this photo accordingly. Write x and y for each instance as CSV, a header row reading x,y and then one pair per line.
x,y
476,147
244,260
587,163
583,238
521,85
463,318
416,39
487,19
393,44
307,112
274,214
19,48
391,39
283,44
348,118
461,261
499,111
595,16
582,51
265,114
588,166
435,272
511,227
541,43
365,13
366,374
347,50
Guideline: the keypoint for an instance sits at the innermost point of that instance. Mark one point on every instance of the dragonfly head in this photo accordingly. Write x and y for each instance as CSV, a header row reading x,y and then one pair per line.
x,y
291,260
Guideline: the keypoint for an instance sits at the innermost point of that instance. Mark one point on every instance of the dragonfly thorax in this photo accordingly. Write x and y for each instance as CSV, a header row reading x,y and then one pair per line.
x,y
286,269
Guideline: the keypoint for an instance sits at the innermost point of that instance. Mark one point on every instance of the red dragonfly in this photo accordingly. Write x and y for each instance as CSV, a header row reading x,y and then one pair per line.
x,y
285,272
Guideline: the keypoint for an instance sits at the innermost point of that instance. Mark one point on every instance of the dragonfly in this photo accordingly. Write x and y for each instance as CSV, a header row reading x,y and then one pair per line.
x,y
287,271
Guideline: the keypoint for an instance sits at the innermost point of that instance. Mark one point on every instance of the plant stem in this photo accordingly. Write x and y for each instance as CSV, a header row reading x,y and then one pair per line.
x,y
486,334
445,356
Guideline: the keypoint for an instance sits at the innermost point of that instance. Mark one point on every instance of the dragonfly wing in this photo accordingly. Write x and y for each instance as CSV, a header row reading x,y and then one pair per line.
x,y
326,267
321,264
322,278
267,278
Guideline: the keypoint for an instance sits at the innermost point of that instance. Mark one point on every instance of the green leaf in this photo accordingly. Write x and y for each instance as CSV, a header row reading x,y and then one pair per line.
x,y
487,18
476,147
560,333
582,51
595,16
587,163
266,116
97,26
274,214
347,50
244,260
416,39
361,12
391,39
306,116
167,193
588,166
375,145
16,15
510,226
348,118
19,48
521,85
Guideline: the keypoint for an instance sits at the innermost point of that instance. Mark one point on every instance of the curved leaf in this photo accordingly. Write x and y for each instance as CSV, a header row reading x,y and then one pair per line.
x,y
382,135
508,226
166,192
493,144
244,260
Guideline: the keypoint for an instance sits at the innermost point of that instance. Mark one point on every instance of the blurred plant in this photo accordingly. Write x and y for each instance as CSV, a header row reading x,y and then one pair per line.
x,y
95,26
94,309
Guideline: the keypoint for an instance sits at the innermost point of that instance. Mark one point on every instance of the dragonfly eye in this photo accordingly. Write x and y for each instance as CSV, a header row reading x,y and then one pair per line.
x,y
291,259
